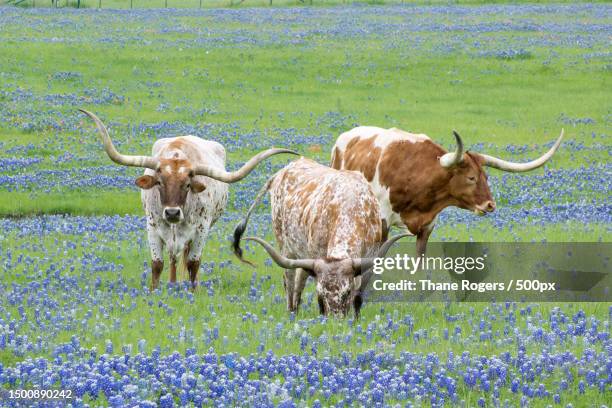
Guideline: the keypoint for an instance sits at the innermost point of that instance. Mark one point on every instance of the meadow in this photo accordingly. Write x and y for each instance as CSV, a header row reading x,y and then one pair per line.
x,y
75,308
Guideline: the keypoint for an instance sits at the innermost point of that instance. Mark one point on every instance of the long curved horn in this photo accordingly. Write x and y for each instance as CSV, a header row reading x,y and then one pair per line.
x,y
451,159
232,177
494,162
281,260
363,264
134,161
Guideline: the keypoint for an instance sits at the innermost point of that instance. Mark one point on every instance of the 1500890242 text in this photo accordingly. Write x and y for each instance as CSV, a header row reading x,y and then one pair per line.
x,y
36,394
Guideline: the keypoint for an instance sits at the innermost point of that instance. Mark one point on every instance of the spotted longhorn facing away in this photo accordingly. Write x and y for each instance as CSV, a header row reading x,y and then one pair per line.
x,y
328,225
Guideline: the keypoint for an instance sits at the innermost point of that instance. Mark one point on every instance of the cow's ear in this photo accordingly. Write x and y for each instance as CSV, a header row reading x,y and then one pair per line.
x,y
146,182
197,187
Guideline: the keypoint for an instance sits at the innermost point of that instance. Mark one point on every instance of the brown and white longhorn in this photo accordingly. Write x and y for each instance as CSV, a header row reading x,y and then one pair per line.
x,y
414,179
184,192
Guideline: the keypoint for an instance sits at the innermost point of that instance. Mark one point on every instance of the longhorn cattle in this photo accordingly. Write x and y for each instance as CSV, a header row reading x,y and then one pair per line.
x,y
414,178
326,222
184,192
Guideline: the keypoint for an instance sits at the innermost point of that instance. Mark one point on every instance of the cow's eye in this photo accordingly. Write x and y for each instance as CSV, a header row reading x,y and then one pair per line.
x,y
472,179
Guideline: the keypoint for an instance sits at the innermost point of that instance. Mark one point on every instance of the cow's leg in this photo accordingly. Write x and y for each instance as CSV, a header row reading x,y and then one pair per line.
x,y
193,267
361,282
195,252
156,269
422,237
385,231
300,281
289,283
357,302
321,305
172,268
157,260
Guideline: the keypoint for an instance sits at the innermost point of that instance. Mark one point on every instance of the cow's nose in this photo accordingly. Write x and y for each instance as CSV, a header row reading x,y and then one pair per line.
x,y
172,214
490,206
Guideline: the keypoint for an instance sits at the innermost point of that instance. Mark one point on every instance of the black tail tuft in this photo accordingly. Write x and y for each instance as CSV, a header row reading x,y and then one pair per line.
x,y
238,231
240,228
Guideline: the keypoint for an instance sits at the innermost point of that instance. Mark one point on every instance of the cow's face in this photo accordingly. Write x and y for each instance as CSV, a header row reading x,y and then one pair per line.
x,y
469,187
175,180
335,284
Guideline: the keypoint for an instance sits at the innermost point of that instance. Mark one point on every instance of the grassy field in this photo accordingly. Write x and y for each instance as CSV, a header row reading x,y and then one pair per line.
x,y
497,84
73,251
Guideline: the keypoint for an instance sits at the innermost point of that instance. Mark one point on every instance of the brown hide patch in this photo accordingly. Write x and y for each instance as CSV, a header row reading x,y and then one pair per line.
x,y
471,194
332,219
303,197
336,161
146,182
177,144
478,159
418,185
197,187
278,224
180,144
172,192
373,217
370,230
319,212
361,155
361,232
174,165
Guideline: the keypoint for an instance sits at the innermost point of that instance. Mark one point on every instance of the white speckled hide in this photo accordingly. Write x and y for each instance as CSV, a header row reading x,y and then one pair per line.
x,y
200,211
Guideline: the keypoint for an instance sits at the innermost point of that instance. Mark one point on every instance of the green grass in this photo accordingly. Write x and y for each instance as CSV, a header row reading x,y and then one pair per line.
x,y
75,203
486,99
417,95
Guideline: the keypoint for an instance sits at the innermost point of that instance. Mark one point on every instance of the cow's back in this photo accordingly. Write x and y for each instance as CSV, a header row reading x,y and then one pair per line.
x,y
192,148
363,148
320,212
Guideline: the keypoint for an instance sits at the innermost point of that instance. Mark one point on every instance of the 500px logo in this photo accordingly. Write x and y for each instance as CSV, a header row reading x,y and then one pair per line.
x,y
411,264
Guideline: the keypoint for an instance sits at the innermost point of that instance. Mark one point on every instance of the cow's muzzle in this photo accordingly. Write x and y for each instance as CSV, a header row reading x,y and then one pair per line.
x,y
173,214
486,207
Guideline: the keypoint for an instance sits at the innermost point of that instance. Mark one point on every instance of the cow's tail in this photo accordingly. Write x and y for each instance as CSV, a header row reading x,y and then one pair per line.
x,y
241,227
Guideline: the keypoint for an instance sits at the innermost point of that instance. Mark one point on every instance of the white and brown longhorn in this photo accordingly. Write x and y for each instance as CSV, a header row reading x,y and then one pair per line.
x,y
184,192
326,223
414,178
